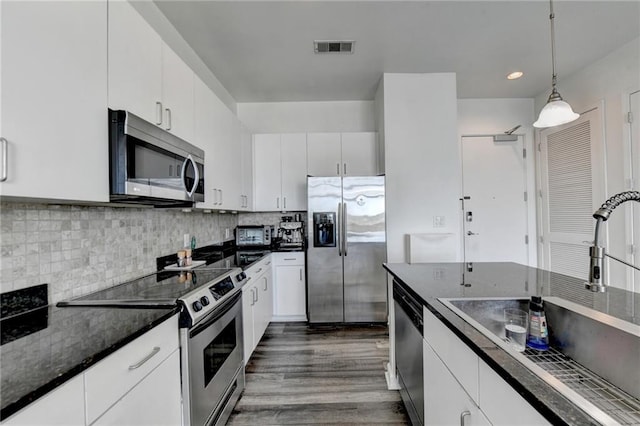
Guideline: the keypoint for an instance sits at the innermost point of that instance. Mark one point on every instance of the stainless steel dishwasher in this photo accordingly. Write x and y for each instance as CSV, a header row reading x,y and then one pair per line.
x,y
408,347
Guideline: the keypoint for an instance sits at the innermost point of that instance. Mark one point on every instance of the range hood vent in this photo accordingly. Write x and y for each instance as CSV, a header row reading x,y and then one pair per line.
x,y
333,46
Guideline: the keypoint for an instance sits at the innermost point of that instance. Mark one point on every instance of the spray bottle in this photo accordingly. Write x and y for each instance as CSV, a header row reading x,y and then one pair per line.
x,y
538,334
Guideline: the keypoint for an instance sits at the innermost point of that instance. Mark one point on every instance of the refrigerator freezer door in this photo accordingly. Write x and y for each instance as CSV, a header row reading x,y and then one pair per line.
x,y
324,263
365,281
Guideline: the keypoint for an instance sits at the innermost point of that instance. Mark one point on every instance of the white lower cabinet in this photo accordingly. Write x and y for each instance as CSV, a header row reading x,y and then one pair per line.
x,y
460,388
64,406
257,305
153,401
290,299
137,385
445,400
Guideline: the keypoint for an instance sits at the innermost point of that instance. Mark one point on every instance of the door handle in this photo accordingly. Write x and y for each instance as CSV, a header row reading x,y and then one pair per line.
x,y
338,169
462,417
344,229
265,283
472,233
284,203
159,113
339,230
138,364
277,202
191,191
168,118
5,159
300,274
221,198
345,168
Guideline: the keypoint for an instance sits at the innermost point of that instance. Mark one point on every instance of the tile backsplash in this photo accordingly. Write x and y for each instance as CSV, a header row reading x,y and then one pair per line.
x,y
80,249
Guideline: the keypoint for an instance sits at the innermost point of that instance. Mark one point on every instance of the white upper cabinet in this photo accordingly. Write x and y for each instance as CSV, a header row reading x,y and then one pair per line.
x,y
177,95
342,154
359,154
246,169
145,76
280,172
53,120
217,131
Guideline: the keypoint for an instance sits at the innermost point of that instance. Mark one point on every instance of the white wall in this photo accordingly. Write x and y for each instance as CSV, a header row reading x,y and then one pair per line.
x,y
480,117
609,81
308,117
422,157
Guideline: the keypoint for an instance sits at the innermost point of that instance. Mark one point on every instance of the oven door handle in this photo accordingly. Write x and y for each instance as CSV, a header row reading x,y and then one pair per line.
x,y
216,314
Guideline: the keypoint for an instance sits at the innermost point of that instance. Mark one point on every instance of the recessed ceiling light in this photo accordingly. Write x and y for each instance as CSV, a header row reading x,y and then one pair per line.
x,y
515,75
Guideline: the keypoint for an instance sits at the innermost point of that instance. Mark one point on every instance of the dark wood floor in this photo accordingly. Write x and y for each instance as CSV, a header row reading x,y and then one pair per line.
x,y
321,375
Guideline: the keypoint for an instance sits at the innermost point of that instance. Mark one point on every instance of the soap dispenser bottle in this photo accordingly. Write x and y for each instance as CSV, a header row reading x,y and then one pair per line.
x,y
538,334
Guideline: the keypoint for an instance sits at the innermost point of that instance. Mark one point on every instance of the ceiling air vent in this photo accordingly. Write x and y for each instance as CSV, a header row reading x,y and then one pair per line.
x,y
333,46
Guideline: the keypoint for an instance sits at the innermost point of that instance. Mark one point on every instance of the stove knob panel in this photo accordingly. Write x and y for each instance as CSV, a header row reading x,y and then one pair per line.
x,y
241,276
197,306
204,300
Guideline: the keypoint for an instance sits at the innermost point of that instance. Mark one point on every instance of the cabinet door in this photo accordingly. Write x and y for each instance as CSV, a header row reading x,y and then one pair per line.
x,y
324,154
359,154
445,401
290,295
135,63
264,285
293,152
246,160
226,157
177,95
204,136
54,94
248,301
502,404
63,406
268,182
154,401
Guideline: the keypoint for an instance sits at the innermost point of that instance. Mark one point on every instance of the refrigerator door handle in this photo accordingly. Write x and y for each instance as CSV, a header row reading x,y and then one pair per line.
x,y
344,229
339,230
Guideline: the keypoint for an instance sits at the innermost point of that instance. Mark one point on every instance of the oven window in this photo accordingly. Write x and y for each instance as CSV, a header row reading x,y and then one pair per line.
x,y
217,352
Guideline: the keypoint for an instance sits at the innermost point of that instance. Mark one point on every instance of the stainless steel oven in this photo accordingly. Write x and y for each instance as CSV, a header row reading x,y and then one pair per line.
x,y
212,352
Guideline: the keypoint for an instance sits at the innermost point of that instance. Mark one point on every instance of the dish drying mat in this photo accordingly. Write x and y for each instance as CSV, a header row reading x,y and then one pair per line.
x,y
618,404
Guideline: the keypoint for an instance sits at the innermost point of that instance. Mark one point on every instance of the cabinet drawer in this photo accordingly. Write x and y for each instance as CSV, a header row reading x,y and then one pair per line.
x,y
459,359
258,269
112,377
288,258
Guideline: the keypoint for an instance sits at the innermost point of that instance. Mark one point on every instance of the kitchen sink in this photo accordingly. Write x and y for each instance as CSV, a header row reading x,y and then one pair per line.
x,y
593,359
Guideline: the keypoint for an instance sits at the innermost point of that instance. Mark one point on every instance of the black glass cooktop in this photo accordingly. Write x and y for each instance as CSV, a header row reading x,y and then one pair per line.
x,y
163,288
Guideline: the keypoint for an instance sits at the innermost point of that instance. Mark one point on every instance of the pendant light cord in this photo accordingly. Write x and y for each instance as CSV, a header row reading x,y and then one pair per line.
x,y
553,46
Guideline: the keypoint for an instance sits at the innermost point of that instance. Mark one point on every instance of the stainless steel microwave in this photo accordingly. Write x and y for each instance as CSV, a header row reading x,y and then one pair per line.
x,y
148,165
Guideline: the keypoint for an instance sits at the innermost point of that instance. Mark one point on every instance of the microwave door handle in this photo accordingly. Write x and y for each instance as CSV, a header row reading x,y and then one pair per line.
x,y
191,191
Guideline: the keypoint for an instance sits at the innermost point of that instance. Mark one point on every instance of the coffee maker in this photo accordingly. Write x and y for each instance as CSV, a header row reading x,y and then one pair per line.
x,y
291,232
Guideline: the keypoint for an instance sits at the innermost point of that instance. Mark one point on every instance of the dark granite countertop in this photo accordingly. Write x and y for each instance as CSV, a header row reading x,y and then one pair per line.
x,y
430,281
47,346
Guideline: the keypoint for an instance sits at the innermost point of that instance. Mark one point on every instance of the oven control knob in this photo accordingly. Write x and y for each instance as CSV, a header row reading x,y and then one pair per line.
x,y
204,300
241,276
197,306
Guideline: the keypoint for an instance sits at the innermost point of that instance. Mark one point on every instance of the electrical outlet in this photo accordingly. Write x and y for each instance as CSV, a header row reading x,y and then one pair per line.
x,y
438,274
187,240
227,233
438,221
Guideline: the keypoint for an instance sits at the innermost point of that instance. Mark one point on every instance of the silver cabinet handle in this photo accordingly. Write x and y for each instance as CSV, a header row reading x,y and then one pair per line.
x,y
471,233
300,274
284,202
344,229
462,416
268,263
255,291
265,283
289,258
258,270
215,197
338,169
138,364
221,196
345,168
277,202
158,113
5,159
168,118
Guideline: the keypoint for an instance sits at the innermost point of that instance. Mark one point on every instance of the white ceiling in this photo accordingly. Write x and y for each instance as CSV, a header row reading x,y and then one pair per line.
x,y
262,51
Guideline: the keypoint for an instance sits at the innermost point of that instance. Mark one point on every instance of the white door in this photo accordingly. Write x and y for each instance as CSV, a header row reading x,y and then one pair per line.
x,y
495,205
324,154
572,187
635,173
359,154
293,151
267,175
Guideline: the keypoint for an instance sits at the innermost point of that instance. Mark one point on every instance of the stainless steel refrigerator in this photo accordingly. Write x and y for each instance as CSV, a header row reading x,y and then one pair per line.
x,y
347,246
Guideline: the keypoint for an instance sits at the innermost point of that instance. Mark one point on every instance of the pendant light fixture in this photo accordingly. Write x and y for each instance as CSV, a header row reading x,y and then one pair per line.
x,y
556,111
